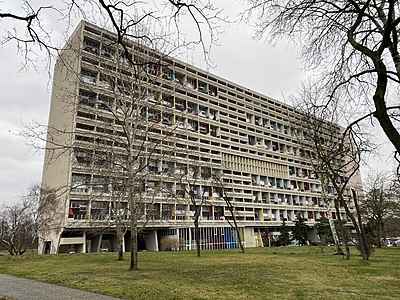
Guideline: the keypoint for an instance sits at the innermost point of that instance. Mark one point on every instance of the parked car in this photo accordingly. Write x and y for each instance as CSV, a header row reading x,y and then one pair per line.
x,y
387,242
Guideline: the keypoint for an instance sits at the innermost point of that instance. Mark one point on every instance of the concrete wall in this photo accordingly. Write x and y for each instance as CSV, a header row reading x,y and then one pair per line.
x,y
249,237
57,161
151,241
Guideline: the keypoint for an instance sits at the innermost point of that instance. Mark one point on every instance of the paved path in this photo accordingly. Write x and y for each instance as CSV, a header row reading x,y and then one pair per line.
x,y
18,288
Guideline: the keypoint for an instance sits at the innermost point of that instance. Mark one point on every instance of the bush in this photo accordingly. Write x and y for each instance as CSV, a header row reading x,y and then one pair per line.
x,y
169,243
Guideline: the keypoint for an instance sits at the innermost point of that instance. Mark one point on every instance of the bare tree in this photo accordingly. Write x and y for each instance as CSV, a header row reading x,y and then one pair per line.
x,y
21,221
352,44
133,139
380,205
144,138
190,179
219,182
335,154
197,183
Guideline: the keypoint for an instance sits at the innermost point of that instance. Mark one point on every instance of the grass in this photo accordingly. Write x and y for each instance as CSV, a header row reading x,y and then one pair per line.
x,y
260,273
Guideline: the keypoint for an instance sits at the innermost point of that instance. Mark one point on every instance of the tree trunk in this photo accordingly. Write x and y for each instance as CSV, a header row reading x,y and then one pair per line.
x,y
239,237
120,253
134,236
346,238
346,244
364,247
120,241
339,218
231,210
236,228
379,235
359,231
197,231
381,113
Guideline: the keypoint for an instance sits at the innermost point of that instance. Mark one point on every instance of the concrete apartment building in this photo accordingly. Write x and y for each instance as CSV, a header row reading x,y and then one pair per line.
x,y
195,127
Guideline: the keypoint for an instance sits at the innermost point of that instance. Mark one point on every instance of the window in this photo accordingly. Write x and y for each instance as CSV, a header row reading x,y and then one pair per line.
x,y
91,46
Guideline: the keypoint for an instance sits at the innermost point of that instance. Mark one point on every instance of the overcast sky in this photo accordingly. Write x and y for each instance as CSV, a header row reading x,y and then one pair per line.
x,y
25,96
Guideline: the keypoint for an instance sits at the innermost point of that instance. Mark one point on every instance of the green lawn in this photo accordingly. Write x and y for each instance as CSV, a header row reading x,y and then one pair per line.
x,y
260,273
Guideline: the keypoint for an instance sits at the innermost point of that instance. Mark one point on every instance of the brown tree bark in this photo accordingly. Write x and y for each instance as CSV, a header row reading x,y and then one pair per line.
x,y
197,229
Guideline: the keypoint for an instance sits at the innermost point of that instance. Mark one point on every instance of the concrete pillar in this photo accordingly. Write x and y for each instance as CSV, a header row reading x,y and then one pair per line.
x,y
260,239
249,236
151,241
84,243
114,243
312,234
179,238
51,238
190,239
128,242
96,242
41,246
88,246
79,248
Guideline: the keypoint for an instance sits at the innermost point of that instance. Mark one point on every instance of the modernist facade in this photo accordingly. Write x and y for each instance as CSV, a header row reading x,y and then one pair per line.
x,y
194,127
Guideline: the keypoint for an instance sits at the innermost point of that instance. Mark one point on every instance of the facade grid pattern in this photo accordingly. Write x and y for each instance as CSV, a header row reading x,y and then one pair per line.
x,y
219,129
